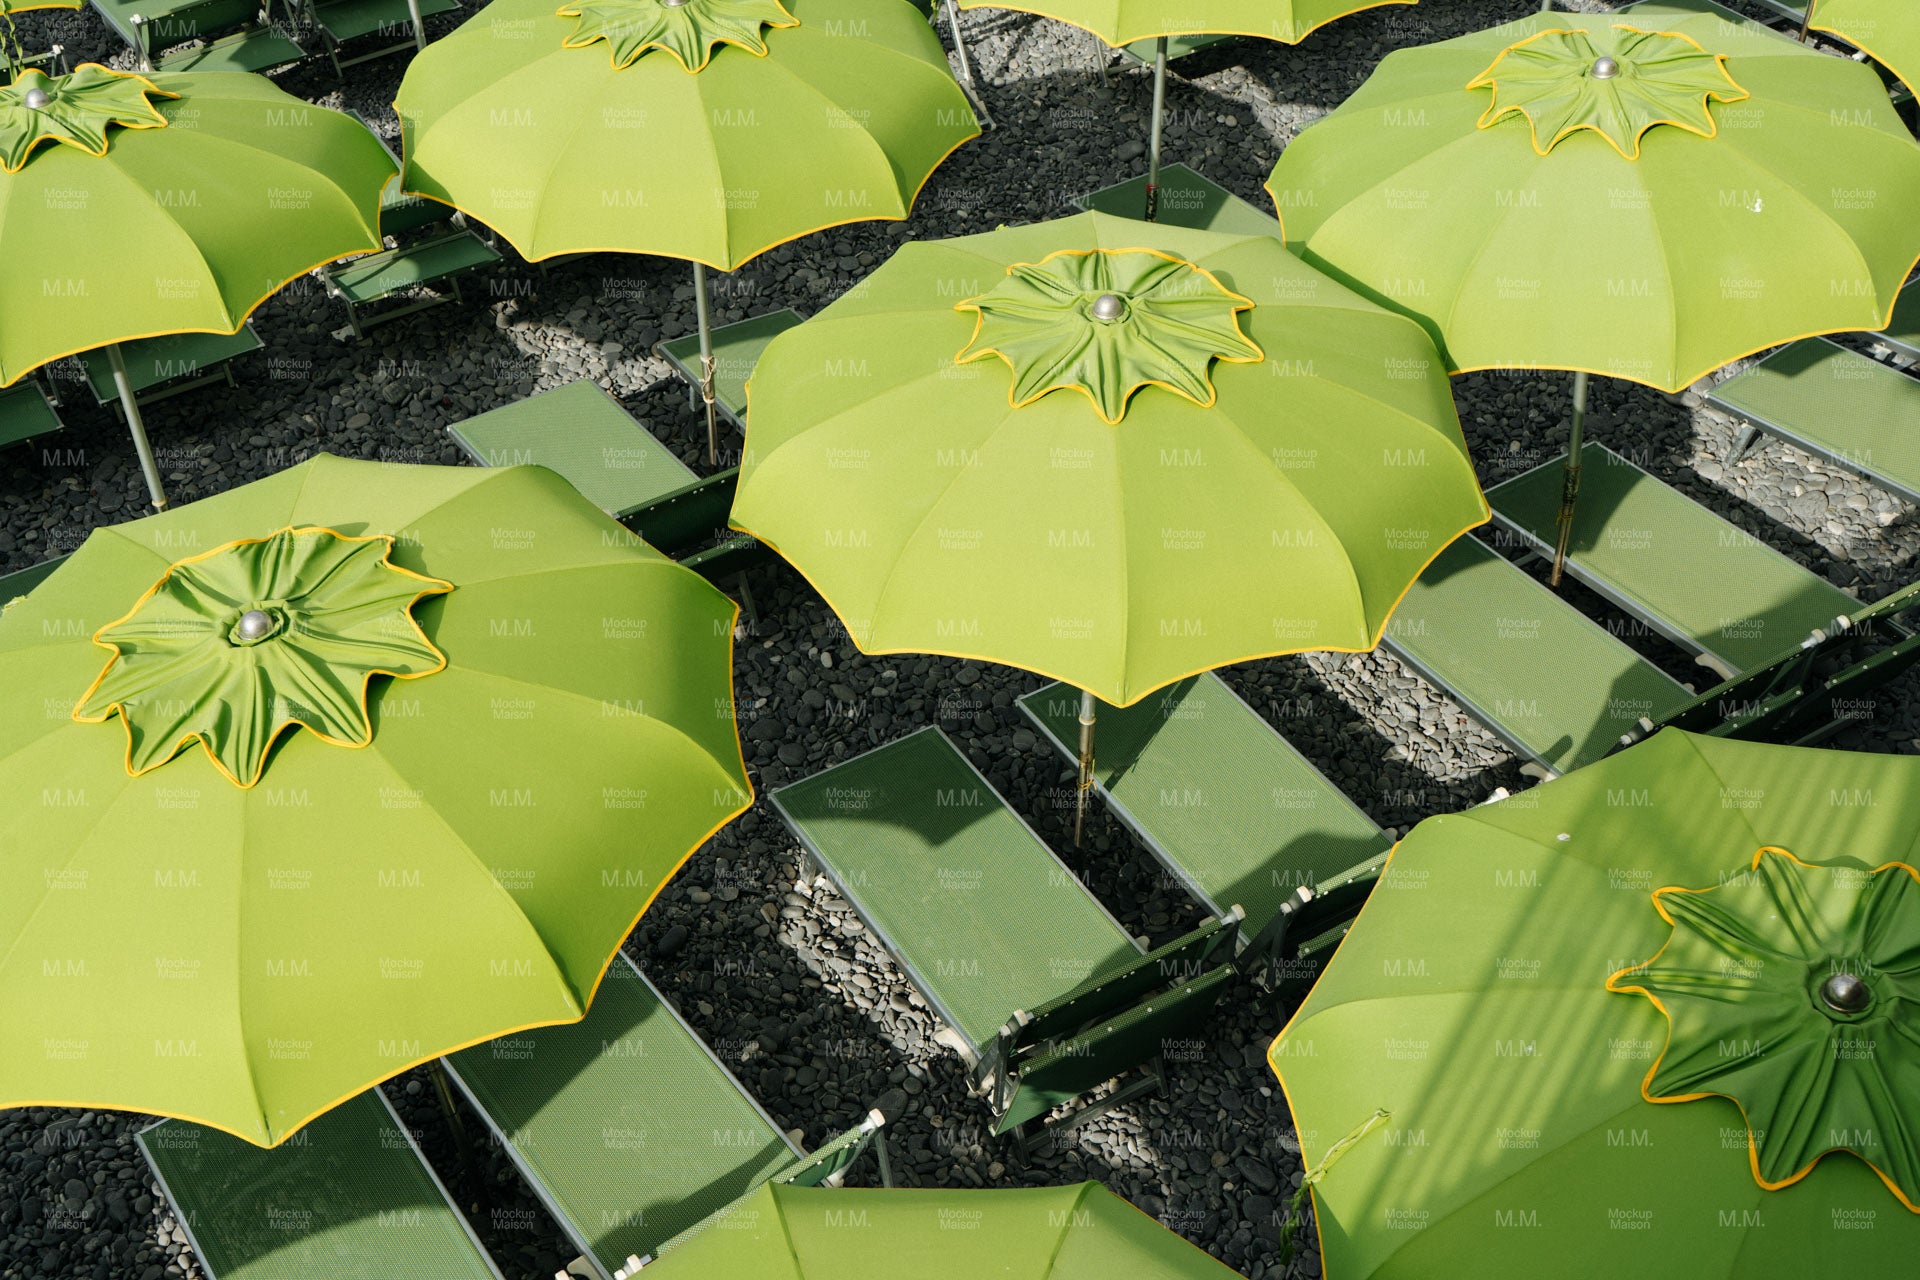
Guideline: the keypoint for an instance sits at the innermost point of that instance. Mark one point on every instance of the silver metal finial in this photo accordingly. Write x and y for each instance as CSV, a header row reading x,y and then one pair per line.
x,y
1605,68
255,624
1109,306
37,99
1845,993
673,4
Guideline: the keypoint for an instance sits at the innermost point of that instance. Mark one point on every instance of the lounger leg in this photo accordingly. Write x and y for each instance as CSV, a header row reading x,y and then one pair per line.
x,y
130,406
1744,445
452,1113
886,1162
1570,485
1153,136
1086,765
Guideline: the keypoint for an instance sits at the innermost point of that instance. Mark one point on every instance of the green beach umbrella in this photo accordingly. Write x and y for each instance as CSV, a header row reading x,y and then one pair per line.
x,y
1646,196
166,203
1652,1019
1888,31
330,774
1122,22
711,130
1113,452
1081,1232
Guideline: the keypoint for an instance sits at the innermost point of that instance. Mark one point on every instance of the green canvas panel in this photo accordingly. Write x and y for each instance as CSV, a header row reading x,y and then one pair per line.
x,y
154,362
1835,404
736,350
1523,661
1663,557
347,1198
26,412
345,20
21,581
1904,333
978,910
690,517
629,1129
1138,1035
1142,52
1222,800
380,275
1187,199
581,432
257,50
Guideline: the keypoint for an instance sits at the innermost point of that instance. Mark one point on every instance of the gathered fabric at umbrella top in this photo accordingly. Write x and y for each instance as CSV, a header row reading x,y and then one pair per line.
x,y
711,130
1113,452
1120,22
455,730
167,203
1647,197
1654,1018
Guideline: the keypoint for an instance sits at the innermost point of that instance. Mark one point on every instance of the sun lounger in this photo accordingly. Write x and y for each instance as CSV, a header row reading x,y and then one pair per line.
x,y
736,349
1228,806
581,432
627,1126
1811,690
442,257
1186,199
27,411
1041,991
1706,585
21,581
1903,335
218,35
347,1198
1142,52
1851,410
341,21
169,364
1537,672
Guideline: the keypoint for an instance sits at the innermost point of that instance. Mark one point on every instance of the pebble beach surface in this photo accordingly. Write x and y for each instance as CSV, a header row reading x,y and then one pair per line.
x,y
776,973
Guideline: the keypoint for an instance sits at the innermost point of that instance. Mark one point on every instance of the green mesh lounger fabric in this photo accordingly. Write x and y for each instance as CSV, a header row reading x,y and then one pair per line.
x,y
1220,798
583,433
348,1198
26,412
624,1123
1850,409
1524,662
21,581
153,362
980,913
1187,199
736,349
1706,584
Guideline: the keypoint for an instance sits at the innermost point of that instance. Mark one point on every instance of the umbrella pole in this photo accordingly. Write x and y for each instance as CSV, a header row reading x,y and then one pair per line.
x,y
1153,137
419,26
452,1114
1806,22
1570,483
130,406
1086,765
706,360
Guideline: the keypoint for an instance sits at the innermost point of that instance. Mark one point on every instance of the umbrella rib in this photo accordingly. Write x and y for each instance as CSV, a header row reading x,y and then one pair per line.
x,y
239,1011
47,882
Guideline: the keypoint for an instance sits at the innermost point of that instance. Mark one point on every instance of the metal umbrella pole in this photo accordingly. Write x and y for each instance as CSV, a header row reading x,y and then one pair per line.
x,y
1806,22
1153,138
1570,482
707,364
130,406
1086,765
419,25
967,84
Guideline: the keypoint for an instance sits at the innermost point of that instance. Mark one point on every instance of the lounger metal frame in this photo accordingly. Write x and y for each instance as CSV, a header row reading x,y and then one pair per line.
x,y
184,1220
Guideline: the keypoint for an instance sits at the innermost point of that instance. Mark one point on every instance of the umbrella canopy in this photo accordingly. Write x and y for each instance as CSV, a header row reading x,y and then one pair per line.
x,y
1888,30
167,203
1120,22
1082,1232
1646,196
1113,452
1654,1018
336,772
712,130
